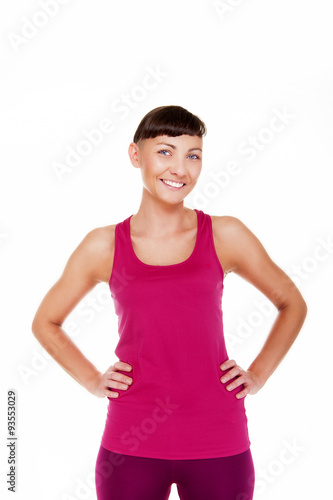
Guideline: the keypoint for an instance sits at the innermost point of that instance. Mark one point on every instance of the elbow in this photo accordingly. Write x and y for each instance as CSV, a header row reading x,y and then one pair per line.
x,y
305,308
36,326
300,304
302,309
40,332
296,304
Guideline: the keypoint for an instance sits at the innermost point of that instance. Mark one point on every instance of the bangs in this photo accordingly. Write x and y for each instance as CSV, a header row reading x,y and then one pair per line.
x,y
169,120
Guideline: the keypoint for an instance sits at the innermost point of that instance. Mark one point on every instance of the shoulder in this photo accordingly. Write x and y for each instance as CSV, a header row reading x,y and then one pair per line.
x,y
244,254
226,223
100,238
97,249
228,229
233,239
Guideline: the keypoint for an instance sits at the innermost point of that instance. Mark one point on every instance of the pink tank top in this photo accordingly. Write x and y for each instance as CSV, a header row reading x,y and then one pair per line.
x,y
170,329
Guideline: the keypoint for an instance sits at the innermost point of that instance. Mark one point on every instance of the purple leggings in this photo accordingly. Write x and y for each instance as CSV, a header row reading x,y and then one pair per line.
x,y
127,477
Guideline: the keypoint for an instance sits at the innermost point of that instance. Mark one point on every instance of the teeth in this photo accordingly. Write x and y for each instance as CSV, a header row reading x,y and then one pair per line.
x,y
174,184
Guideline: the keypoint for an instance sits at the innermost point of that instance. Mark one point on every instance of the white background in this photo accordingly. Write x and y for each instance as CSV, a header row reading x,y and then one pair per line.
x,y
65,71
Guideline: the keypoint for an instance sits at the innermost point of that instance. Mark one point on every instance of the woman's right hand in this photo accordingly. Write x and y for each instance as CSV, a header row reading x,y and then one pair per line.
x,y
100,384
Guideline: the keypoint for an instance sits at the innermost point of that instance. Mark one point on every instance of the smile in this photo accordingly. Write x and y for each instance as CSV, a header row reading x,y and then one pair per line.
x,y
173,184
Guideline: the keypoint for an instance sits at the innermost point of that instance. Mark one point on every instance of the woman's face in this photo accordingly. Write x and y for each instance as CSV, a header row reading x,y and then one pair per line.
x,y
164,158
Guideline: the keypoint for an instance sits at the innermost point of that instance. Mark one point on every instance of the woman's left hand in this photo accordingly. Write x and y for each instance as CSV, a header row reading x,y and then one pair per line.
x,y
247,378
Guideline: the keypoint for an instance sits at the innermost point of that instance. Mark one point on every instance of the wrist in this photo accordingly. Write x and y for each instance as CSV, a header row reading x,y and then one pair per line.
x,y
92,382
259,377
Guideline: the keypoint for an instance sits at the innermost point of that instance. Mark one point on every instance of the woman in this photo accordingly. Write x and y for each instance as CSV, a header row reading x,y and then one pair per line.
x,y
176,401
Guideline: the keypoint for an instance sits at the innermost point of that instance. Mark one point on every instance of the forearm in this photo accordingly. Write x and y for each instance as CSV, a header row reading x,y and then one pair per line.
x,y
283,333
63,350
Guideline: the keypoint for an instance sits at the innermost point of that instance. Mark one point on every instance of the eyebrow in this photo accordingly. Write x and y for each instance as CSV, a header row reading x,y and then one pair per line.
x,y
174,147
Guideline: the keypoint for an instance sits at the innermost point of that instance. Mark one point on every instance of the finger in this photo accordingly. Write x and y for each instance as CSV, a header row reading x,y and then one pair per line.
x,y
121,365
236,383
234,372
120,377
228,364
116,385
111,394
243,393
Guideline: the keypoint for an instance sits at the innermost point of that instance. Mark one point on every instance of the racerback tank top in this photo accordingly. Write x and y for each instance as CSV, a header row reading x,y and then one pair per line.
x,y
170,327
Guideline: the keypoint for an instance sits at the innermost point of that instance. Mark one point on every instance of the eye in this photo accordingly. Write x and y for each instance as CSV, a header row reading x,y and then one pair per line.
x,y
162,151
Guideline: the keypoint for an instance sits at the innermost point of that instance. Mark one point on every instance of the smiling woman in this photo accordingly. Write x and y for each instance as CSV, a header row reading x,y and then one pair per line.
x,y
176,402
169,182
178,170
183,154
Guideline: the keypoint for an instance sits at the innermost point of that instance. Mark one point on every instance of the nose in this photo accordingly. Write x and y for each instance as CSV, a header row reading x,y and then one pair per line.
x,y
178,167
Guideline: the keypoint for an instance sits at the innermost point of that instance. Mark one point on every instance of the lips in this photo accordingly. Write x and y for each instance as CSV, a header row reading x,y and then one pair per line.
x,y
172,184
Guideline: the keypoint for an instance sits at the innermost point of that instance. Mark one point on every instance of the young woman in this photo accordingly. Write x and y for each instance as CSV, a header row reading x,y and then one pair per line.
x,y
176,401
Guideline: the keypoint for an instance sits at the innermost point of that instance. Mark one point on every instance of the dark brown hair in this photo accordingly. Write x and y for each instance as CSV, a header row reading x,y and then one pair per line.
x,y
171,121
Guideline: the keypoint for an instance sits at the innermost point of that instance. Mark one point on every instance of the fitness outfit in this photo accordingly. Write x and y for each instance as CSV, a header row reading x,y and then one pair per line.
x,y
127,477
170,325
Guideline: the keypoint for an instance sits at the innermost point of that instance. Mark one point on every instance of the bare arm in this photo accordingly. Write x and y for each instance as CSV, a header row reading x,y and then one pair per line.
x,y
88,265
246,256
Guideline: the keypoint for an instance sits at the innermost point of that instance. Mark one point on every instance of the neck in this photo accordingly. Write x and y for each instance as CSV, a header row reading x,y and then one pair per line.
x,y
157,218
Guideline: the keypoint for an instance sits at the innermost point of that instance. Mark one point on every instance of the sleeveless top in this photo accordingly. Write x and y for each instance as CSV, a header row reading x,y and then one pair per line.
x,y
170,329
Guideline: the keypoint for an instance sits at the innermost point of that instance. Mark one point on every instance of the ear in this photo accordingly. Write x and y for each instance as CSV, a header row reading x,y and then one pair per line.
x,y
134,154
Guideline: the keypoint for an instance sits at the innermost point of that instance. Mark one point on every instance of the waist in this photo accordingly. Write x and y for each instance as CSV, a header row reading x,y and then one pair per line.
x,y
186,422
